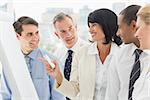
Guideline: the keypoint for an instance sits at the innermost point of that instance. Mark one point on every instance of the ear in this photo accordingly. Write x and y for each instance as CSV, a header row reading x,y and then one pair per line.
x,y
133,25
18,36
56,34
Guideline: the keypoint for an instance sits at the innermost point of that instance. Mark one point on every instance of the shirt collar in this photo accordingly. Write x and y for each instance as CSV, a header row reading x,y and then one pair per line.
x,y
114,48
92,49
133,48
76,46
34,53
147,51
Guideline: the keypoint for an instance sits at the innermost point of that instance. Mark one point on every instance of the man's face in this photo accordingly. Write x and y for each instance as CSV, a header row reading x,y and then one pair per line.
x,y
66,31
126,32
29,38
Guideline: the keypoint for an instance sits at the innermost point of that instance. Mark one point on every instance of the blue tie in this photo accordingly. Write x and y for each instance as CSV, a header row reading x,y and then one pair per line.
x,y
28,61
135,73
67,69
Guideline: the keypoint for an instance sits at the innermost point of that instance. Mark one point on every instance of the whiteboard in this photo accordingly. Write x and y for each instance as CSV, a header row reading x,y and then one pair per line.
x,y
14,65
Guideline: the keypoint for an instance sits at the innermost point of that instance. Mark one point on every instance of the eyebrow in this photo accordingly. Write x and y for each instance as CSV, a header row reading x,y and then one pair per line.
x,y
32,32
62,30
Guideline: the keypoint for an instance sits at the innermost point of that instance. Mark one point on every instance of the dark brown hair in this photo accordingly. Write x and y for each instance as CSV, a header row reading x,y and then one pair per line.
x,y
24,20
129,13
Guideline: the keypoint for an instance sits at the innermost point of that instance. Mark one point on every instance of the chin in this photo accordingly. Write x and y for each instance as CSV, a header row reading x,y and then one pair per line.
x,y
127,42
33,48
142,47
69,45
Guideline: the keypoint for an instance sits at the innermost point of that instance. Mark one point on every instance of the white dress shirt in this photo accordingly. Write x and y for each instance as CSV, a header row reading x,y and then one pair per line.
x,y
142,85
62,52
101,71
119,73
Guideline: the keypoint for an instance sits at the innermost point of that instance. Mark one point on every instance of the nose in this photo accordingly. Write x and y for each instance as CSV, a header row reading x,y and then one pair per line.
x,y
118,33
90,29
68,34
136,34
35,36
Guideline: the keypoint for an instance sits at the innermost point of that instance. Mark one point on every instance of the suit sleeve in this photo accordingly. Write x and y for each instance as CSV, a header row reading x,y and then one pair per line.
x,y
70,88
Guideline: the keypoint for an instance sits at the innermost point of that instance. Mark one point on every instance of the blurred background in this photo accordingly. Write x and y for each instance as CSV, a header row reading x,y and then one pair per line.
x,y
44,10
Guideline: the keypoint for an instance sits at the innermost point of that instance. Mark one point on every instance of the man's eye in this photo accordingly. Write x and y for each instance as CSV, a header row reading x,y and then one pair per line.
x,y
37,32
62,31
70,28
29,34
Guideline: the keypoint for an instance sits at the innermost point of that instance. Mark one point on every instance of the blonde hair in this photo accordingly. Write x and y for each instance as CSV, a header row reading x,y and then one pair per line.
x,y
144,14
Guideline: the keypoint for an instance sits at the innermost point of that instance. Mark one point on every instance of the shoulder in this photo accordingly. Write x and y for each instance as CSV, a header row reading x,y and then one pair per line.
x,y
60,49
45,52
145,62
126,50
85,47
82,42
115,48
83,50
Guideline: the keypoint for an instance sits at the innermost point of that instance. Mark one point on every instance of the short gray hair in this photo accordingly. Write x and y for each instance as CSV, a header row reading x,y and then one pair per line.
x,y
61,16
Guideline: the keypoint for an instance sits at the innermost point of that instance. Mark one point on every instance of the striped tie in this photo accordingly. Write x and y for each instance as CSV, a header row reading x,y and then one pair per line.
x,y
135,73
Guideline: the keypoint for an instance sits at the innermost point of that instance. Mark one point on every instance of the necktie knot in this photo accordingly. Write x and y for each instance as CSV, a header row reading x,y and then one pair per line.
x,y
70,52
137,53
28,59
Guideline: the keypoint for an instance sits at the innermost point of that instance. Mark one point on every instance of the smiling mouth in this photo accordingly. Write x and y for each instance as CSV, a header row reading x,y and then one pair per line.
x,y
121,38
139,39
93,35
69,39
34,43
